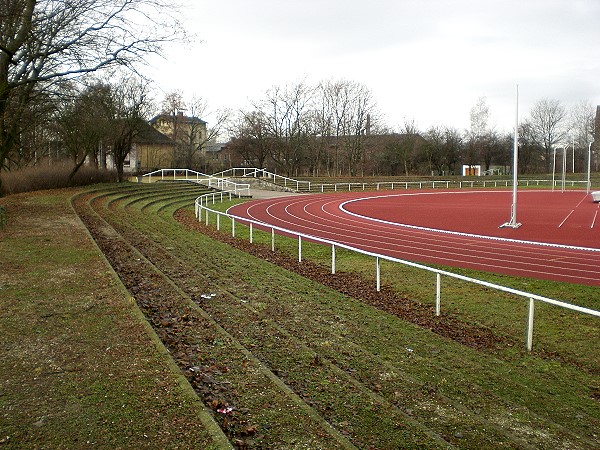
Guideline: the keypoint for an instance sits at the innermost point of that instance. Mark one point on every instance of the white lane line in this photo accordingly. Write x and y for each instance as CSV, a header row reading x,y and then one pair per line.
x,y
568,215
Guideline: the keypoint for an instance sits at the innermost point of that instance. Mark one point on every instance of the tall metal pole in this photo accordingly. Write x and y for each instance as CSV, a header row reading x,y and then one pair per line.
x,y
513,210
553,168
573,138
589,180
564,167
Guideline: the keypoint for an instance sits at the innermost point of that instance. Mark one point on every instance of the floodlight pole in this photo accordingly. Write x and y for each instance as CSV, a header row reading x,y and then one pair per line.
x,y
512,223
573,142
564,167
589,180
553,168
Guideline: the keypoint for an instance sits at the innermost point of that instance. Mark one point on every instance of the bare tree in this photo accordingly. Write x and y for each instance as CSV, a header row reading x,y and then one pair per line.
x,y
453,145
351,114
547,122
83,125
196,135
252,141
43,42
531,153
480,147
172,105
581,130
131,105
286,110
480,118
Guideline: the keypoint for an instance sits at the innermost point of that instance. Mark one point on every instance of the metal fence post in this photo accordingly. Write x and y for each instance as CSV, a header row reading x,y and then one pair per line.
x,y
272,239
333,259
218,222
530,325
378,273
206,214
299,248
438,294
251,233
232,227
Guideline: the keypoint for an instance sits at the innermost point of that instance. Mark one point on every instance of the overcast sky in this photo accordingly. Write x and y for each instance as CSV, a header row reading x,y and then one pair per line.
x,y
423,60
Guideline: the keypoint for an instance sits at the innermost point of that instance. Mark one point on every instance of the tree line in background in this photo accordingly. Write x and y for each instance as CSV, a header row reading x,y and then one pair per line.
x,y
69,90
334,129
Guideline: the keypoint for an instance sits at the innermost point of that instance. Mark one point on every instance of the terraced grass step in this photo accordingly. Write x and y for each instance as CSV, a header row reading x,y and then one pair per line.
x,y
466,391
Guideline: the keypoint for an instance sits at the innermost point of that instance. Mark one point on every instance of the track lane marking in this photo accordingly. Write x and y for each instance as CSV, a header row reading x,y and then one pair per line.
x,y
321,216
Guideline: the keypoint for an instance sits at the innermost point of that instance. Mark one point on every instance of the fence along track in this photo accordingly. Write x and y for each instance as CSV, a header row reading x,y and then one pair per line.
x,y
315,187
201,204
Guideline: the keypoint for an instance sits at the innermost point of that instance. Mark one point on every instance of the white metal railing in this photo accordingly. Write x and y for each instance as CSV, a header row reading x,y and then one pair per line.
x,y
194,176
202,202
309,186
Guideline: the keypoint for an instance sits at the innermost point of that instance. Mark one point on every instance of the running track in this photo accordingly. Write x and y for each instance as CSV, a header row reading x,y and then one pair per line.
x,y
559,238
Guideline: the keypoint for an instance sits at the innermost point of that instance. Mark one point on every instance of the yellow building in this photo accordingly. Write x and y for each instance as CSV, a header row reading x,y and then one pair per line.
x,y
188,132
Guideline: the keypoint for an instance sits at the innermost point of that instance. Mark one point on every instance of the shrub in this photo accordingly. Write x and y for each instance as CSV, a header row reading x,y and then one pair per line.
x,y
51,177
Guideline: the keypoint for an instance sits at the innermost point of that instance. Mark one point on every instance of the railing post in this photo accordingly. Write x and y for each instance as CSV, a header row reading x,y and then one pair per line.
x,y
206,214
438,294
233,227
272,239
378,273
218,222
299,248
332,259
251,233
530,324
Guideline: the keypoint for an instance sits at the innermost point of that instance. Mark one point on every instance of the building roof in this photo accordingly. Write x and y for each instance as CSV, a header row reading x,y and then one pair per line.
x,y
149,135
214,147
179,117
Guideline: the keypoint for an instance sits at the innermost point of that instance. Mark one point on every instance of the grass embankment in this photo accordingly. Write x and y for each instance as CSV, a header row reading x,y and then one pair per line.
x,y
307,367
79,365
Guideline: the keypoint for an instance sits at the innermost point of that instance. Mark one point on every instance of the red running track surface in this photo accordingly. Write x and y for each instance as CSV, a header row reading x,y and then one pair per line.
x,y
559,238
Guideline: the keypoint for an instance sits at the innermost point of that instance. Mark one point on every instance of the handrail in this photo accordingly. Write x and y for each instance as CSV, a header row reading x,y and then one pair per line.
x,y
202,202
201,178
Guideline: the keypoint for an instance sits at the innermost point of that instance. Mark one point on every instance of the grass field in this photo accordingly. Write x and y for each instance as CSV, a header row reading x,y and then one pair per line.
x,y
276,359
